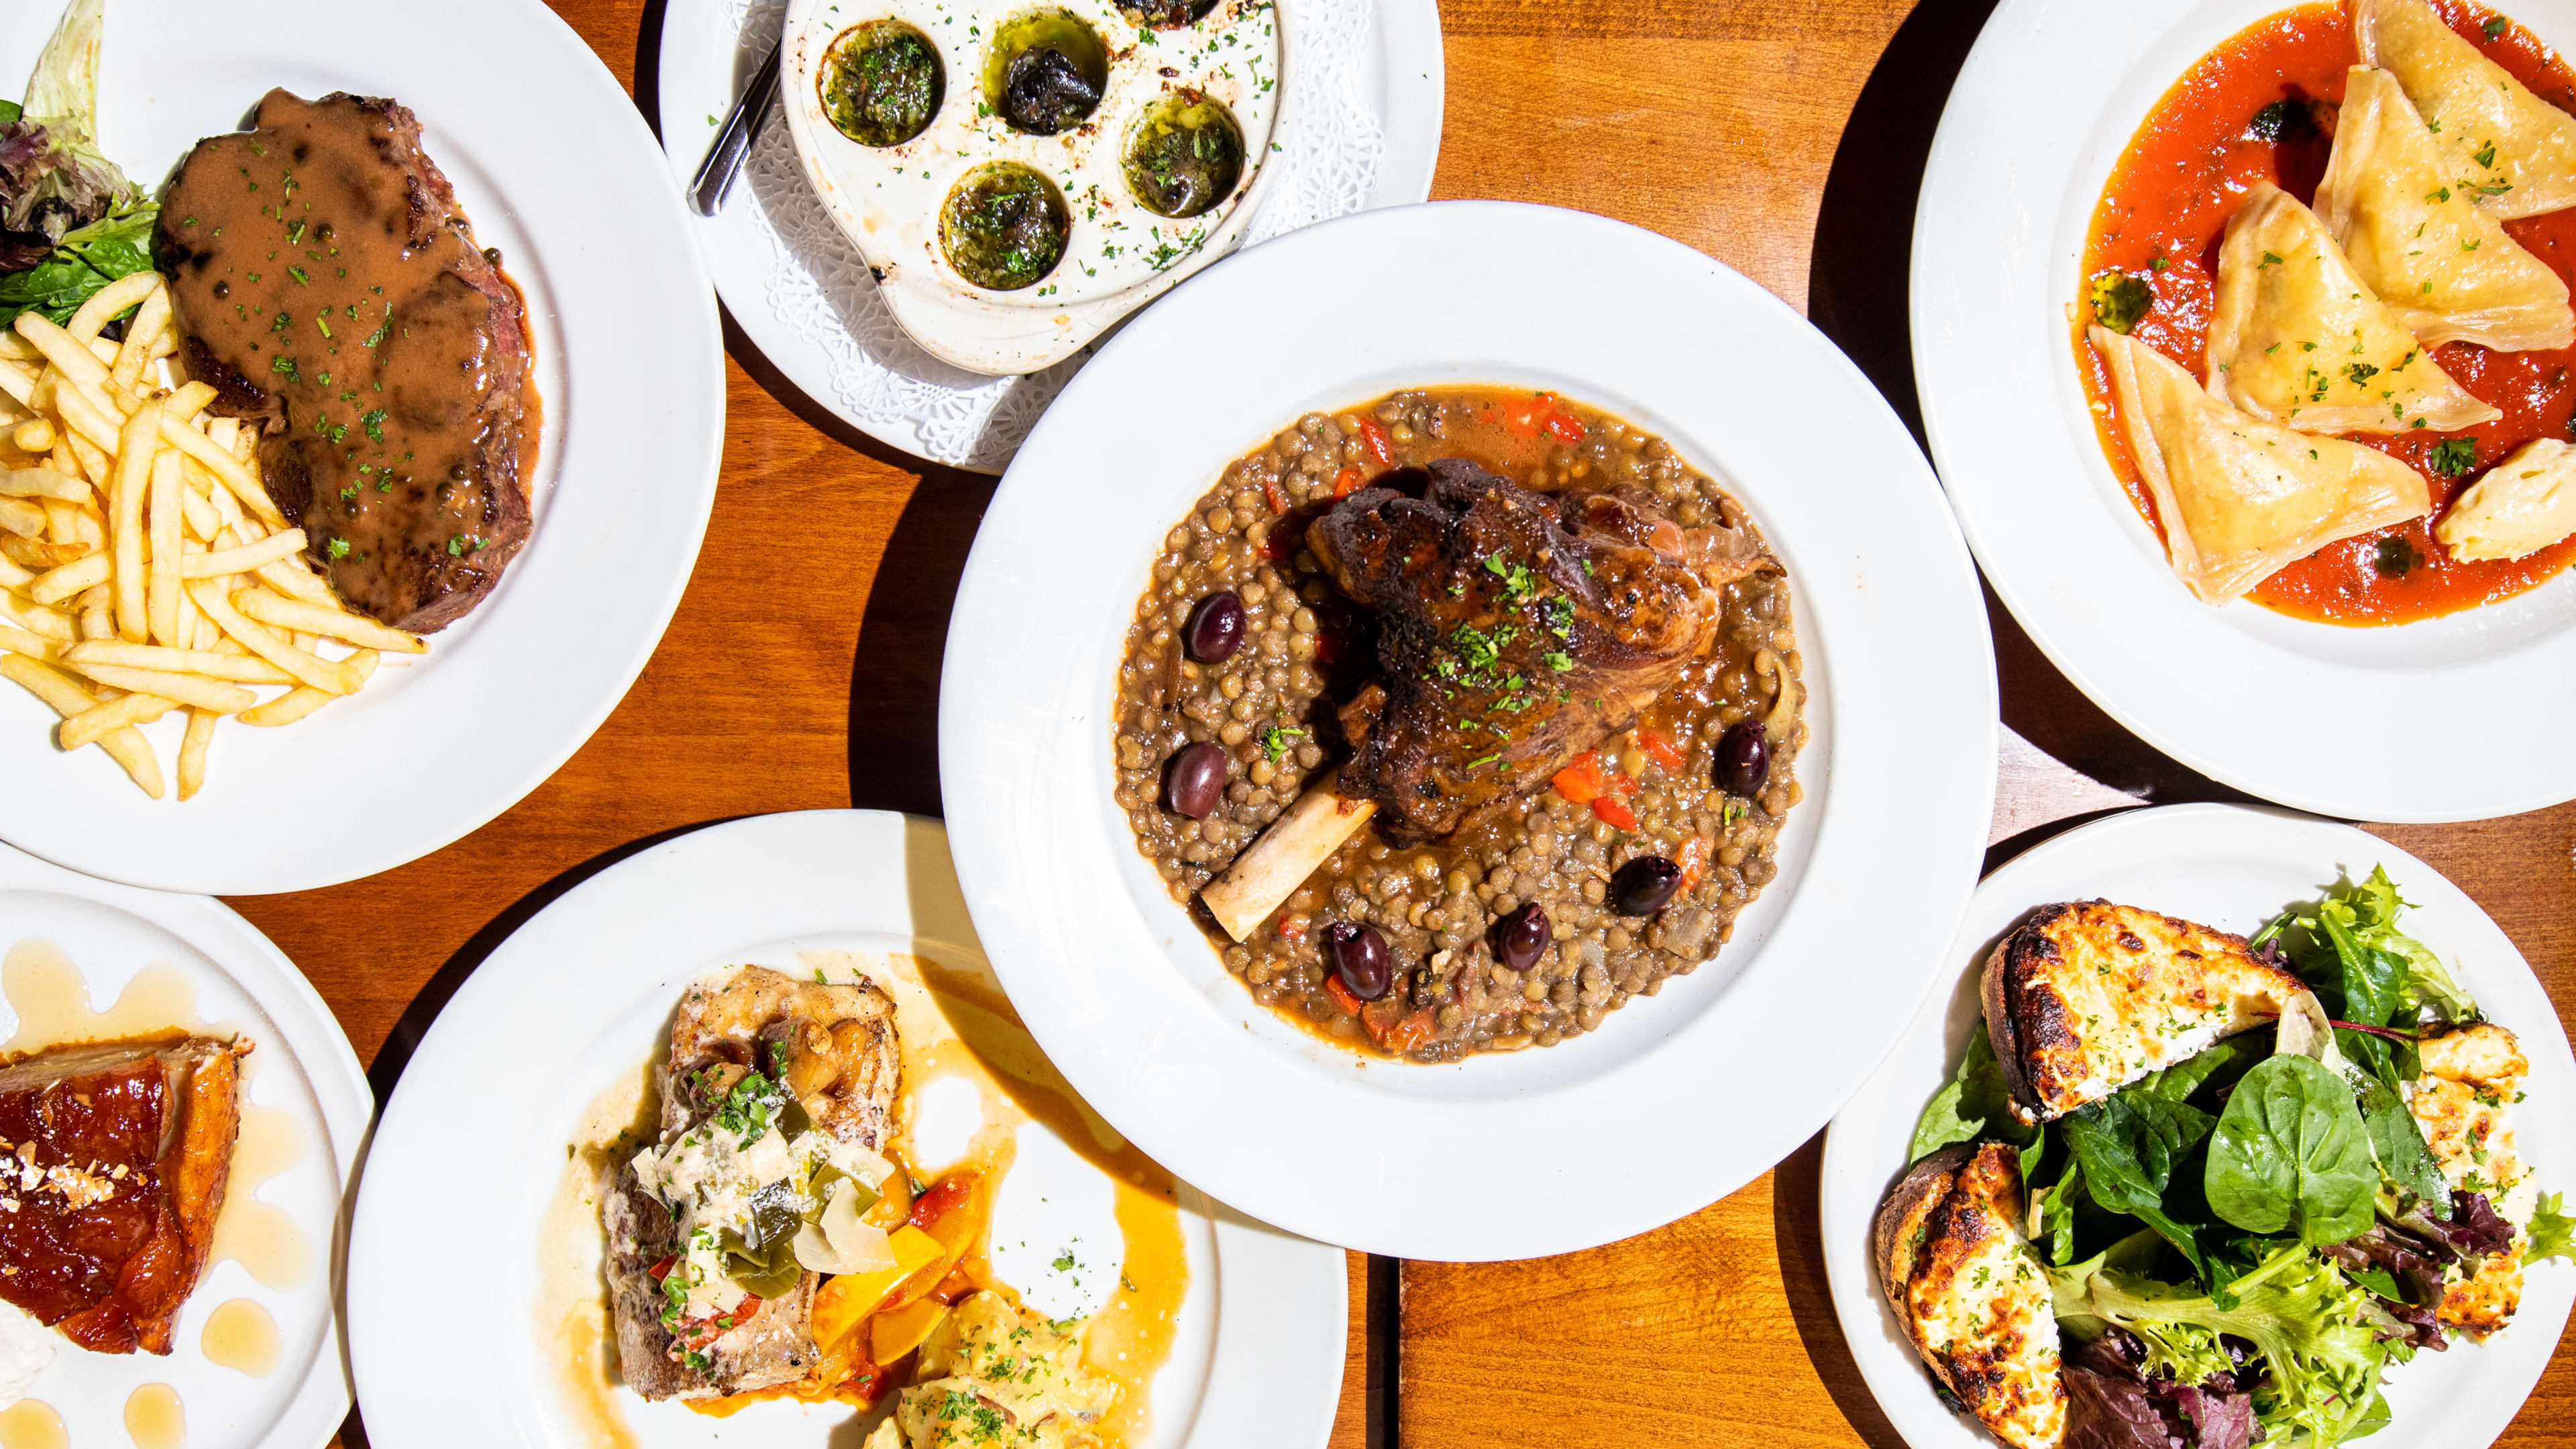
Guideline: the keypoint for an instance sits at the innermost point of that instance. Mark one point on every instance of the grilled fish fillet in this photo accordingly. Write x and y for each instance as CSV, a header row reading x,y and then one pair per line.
x,y
837,1043
1971,1292
2470,1079
2086,997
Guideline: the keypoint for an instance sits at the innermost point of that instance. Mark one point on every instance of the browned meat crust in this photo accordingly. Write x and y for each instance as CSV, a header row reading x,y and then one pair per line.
x,y
842,1065
1515,630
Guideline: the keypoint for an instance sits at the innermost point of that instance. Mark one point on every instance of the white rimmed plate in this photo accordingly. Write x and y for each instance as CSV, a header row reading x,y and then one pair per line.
x,y
1366,134
307,1106
571,1003
2293,711
630,367
2233,868
1445,1162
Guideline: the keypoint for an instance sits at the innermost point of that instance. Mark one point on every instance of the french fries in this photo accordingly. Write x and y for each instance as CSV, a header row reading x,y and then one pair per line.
x,y
144,570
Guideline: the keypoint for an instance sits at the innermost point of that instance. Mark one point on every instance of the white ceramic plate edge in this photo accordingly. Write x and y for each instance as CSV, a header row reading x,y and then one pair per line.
x,y
1066,969
1857,1167
330,1069
1272,1401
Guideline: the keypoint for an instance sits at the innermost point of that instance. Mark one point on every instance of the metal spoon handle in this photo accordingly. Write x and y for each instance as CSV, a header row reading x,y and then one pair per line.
x,y
741,128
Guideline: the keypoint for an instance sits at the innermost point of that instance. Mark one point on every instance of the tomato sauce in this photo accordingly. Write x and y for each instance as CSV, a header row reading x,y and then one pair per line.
x,y
2162,217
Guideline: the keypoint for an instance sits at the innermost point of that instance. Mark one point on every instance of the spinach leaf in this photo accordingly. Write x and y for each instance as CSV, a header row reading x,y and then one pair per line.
x,y
2369,989
2291,1152
1976,1103
2398,1143
2127,1144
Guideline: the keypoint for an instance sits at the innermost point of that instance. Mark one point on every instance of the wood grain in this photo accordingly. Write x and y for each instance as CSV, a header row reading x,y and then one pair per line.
x,y
802,670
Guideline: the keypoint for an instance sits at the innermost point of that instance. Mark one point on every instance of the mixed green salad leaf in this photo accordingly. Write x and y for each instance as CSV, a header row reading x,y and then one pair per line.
x,y
70,220
2240,1244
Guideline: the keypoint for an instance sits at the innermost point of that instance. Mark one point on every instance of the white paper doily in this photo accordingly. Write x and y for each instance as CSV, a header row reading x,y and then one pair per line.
x,y
1364,132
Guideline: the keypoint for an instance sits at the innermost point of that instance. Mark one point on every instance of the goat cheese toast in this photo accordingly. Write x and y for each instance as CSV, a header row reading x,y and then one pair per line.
x,y
2086,997
776,1104
1973,1296
2194,1190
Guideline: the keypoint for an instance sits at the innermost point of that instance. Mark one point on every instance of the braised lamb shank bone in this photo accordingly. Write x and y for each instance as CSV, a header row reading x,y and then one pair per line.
x,y
1480,583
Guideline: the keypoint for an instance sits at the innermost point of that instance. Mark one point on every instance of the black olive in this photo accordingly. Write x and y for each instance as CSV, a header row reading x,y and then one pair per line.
x,y
1195,780
1215,629
1641,887
1522,937
1360,958
1744,759
1044,92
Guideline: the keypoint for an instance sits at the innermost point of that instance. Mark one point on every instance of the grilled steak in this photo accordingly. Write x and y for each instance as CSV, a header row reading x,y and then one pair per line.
x,y
832,1049
116,1155
330,289
1515,630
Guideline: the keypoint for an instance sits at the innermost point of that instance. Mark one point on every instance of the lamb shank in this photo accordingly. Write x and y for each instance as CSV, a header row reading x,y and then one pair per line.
x,y
1516,630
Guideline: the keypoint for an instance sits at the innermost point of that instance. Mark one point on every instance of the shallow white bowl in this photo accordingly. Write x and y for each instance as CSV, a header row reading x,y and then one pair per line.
x,y
2337,720
1677,1100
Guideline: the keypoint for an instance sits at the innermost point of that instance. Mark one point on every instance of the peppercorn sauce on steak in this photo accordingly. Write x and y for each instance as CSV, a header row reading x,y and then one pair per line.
x,y
2471,1078
1971,1292
331,290
776,1101
2086,997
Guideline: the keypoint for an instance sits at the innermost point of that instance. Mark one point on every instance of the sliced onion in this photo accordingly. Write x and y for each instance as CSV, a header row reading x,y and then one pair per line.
x,y
840,1243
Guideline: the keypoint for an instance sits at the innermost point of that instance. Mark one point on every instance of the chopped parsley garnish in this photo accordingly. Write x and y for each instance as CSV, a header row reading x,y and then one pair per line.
x,y
2453,457
1276,740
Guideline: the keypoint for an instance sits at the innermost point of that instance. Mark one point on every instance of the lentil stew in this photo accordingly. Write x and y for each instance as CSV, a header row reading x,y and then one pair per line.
x,y
1543,909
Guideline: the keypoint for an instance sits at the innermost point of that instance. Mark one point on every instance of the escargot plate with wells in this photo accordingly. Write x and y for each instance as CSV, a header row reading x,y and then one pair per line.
x,y
1020,174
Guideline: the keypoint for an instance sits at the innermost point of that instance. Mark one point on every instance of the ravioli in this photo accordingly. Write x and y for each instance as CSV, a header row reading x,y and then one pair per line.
x,y
2523,505
2444,267
2515,151
2240,497
2299,338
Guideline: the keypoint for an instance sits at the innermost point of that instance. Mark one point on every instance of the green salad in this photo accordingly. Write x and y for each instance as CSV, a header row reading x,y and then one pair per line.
x,y
2241,1244
70,220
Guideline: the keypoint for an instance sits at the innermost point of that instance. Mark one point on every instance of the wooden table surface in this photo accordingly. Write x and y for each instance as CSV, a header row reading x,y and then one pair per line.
x,y
1784,140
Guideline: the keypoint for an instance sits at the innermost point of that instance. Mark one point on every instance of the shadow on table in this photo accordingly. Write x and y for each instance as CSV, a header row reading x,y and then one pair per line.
x,y
1859,294
903,637
416,1019
1799,1238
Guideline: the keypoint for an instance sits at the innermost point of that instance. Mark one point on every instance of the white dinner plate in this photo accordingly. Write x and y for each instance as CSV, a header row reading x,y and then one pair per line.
x,y
2233,868
304,1123
1366,133
557,170
573,1002
2290,710
1501,1156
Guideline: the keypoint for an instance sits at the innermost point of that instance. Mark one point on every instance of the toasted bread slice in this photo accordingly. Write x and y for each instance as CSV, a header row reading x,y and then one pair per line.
x,y
2086,997
2471,1076
1972,1294
833,1047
